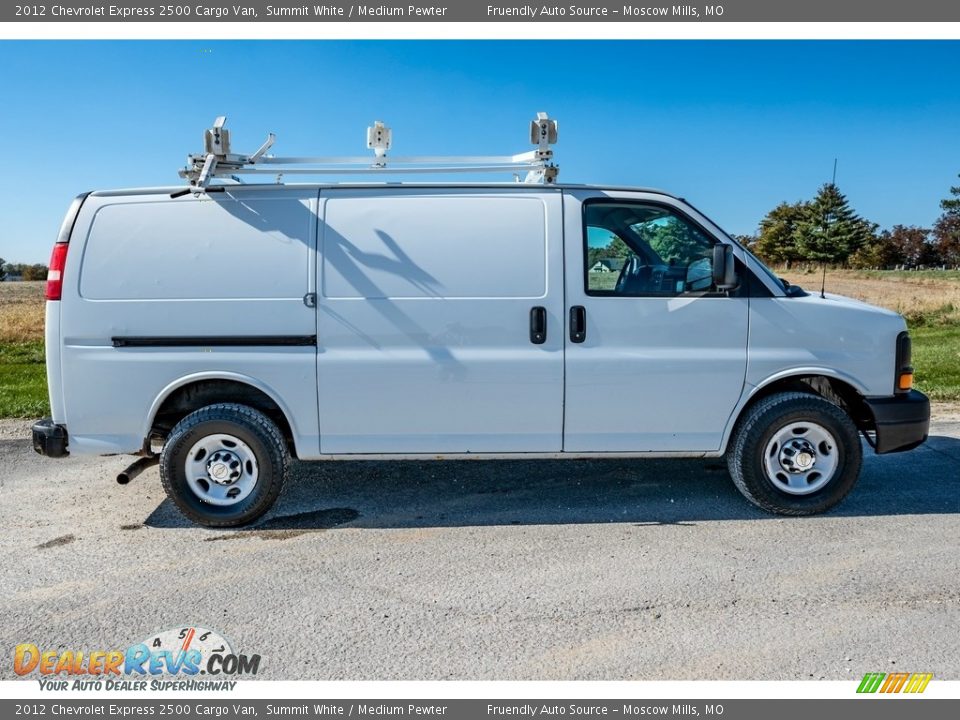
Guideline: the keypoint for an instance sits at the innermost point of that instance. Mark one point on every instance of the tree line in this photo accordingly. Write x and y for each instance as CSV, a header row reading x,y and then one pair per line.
x,y
826,230
26,272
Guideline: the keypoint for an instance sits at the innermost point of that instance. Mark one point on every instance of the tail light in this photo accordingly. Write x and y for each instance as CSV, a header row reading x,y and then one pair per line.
x,y
58,259
904,377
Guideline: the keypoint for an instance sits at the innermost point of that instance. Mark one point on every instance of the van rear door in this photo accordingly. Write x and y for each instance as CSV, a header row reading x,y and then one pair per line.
x,y
429,307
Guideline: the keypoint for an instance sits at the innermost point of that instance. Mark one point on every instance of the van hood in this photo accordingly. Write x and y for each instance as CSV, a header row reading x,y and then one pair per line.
x,y
842,301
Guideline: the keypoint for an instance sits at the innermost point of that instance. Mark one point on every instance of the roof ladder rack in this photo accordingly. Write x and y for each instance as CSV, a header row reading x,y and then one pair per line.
x,y
217,161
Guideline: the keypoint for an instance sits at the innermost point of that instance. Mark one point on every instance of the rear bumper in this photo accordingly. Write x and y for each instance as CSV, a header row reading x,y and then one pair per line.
x,y
50,439
902,421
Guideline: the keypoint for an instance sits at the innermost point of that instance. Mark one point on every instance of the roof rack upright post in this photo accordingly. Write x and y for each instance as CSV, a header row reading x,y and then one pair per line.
x,y
543,134
379,137
216,140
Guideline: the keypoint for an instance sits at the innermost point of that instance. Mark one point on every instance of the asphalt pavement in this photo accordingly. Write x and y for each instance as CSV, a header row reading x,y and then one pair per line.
x,y
601,569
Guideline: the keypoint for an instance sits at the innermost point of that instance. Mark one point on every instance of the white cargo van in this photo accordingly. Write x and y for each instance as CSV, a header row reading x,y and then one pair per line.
x,y
224,329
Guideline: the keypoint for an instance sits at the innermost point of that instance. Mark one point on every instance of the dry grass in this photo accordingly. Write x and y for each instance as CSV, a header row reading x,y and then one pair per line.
x,y
21,312
922,297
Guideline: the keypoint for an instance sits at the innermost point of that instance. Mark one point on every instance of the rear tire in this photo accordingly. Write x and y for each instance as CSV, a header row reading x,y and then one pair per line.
x,y
795,454
224,465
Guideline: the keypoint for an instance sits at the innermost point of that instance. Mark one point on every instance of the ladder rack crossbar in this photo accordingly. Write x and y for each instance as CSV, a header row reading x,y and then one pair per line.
x,y
381,170
521,158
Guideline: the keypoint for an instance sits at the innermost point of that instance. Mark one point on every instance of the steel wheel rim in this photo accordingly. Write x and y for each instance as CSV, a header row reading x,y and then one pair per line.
x,y
801,458
221,469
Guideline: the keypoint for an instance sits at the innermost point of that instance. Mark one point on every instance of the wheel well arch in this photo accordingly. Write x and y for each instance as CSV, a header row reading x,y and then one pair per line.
x,y
184,397
837,390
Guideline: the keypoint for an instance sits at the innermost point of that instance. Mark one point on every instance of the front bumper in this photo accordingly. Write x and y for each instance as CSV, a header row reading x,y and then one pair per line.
x,y
902,421
50,439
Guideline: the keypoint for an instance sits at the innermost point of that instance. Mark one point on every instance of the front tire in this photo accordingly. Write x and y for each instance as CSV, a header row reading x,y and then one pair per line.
x,y
795,454
224,465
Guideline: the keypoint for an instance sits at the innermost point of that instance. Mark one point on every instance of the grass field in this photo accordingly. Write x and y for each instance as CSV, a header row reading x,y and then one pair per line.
x,y
21,312
936,357
929,297
23,378
930,301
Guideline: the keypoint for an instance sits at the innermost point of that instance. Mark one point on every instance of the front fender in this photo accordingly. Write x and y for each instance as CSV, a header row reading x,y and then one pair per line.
x,y
752,391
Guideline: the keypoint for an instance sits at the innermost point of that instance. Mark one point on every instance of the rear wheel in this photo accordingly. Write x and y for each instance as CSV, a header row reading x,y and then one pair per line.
x,y
224,465
795,454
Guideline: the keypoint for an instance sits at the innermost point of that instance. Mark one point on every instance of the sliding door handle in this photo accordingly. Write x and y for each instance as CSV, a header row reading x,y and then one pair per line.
x,y
538,325
578,324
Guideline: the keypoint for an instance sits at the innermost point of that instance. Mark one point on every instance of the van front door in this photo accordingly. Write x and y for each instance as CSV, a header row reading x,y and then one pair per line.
x,y
440,320
655,356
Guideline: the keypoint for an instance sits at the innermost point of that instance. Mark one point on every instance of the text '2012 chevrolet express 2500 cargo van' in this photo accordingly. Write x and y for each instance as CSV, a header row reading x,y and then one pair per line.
x,y
230,327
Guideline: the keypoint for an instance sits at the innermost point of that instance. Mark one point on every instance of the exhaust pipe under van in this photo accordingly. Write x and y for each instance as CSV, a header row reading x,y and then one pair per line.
x,y
137,467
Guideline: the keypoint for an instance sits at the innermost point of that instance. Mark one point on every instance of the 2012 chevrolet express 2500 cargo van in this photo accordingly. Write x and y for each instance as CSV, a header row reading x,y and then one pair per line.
x,y
238,326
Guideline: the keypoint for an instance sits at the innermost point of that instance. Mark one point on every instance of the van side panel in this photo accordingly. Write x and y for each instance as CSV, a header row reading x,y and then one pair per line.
x,y
198,271
424,321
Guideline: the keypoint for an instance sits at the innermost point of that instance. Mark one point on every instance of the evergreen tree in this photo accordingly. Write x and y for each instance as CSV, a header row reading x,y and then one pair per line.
x,y
777,242
3,273
946,231
951,206
830,231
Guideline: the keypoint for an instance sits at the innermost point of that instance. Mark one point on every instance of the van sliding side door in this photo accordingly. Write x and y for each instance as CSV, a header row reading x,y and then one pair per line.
x,y
440,320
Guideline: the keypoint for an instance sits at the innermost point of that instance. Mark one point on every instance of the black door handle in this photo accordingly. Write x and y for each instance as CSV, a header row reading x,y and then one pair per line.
x,y
538,325
578,324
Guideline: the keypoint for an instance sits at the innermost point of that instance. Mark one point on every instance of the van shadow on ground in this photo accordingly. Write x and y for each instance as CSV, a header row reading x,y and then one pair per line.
x,y
374,494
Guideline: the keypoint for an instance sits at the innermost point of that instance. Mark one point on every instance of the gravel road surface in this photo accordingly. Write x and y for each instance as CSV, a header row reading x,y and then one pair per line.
x,y
497,570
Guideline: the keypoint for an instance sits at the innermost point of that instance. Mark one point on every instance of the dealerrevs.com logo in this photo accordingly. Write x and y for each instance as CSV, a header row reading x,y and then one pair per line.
x,y
170,660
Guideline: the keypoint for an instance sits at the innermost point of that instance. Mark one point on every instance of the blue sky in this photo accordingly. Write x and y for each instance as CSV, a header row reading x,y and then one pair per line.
x,y
735,127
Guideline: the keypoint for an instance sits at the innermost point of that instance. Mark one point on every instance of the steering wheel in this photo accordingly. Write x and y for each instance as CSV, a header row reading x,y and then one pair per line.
x,y
625,271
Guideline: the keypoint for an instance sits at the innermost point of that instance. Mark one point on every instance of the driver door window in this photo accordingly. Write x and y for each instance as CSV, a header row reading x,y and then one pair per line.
x,y
638,250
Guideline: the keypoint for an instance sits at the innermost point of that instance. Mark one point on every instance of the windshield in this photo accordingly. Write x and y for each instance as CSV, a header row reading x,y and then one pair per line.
x,y
779,282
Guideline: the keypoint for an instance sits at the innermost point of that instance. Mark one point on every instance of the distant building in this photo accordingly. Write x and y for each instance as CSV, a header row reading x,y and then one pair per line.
x,y
13,277
607,265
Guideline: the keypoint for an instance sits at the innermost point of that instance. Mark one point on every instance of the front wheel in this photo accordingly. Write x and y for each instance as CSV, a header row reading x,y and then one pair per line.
x,y
795,454
224,465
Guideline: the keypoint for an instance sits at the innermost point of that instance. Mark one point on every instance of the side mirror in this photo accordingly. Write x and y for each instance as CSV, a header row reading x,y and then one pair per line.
x,y
724,270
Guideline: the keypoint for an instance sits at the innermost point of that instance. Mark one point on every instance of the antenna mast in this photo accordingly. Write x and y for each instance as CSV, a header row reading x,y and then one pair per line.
x,y
823,264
